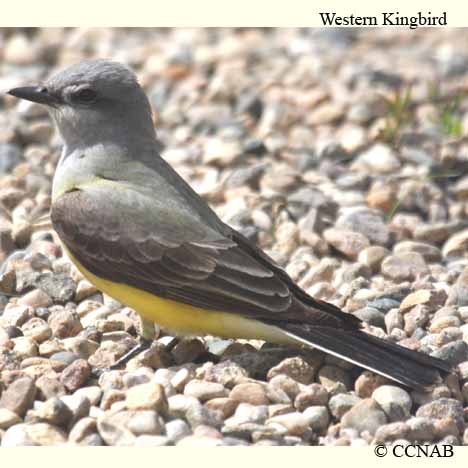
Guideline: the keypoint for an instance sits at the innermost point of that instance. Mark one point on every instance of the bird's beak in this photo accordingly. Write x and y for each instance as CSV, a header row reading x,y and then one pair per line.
x,y
39,94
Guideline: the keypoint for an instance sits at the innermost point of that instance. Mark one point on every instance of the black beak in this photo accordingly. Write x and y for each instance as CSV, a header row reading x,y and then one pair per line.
x,y
39,94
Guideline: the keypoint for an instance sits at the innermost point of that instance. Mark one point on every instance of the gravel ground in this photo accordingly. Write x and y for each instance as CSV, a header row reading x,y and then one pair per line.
x,y
341,152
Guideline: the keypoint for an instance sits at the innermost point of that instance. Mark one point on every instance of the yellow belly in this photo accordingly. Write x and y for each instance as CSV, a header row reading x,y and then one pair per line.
x,y
183,318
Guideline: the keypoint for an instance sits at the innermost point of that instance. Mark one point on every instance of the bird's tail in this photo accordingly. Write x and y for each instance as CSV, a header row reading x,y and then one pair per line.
x,y
411,368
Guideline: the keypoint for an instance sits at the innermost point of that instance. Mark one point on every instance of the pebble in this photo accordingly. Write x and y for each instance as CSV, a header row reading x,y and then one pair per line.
x,y
456,245
113,428
313,395
36,298
44,434
416,318
225,405
296,367
79,405
16,316
421,429
197,415
25,347
187,351
318,416
75,375
252,393
458,294
37,329
429,252
53,411
49,387
84,432
295,423
367,222
341,403
372,257
431,298
395,402
348,243
404,266
19,396
394,431
149,396
247,413
371,316
10,156
146,422
443,408
17,436
334,379
366,415
139,376
204,391
8,418
226,373
454,352
64,324
379,159
59,287
176,430
285,384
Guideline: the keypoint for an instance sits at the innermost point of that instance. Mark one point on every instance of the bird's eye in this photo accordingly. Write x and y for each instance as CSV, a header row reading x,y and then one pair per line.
x,y
86,95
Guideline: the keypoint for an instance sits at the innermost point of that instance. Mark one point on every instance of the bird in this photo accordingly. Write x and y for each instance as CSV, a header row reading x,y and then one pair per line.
x,y
142,235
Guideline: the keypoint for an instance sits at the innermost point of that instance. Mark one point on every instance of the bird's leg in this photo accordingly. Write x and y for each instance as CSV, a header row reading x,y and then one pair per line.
x,y
146,337
172,344
141,346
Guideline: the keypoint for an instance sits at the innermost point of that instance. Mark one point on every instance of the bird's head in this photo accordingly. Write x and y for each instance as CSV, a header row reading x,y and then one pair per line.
x,y
94,101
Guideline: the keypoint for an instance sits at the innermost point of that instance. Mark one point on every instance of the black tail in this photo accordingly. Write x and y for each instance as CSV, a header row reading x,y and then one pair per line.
x,y
411,368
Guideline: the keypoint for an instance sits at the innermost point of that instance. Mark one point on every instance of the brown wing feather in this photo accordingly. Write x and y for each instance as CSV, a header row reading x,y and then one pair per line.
x,y
224,273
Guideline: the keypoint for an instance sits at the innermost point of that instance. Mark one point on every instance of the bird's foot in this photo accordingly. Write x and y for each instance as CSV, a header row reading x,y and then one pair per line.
x,y
143,345
122,361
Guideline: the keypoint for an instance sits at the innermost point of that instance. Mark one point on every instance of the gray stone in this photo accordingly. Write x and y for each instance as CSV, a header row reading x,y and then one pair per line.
x,y
429,252
318,416
367,222
334,379
404,266
59,287
19,396
367,415
247,413
395,402
8,418
226,373
145,422
391,432
10,156
313,395
204,391
372,316
177,429
458,294
421,428
340,404
17,436
454,352
295,423
443,408
347,242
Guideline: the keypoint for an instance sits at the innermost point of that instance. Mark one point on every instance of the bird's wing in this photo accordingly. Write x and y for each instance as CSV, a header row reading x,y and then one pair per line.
x,y
125,237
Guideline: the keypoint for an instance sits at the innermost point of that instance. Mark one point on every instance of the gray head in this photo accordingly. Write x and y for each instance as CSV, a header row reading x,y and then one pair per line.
x,y
95,101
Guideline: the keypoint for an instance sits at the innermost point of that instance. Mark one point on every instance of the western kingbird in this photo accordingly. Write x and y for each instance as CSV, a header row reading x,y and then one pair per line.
x,y
139,232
